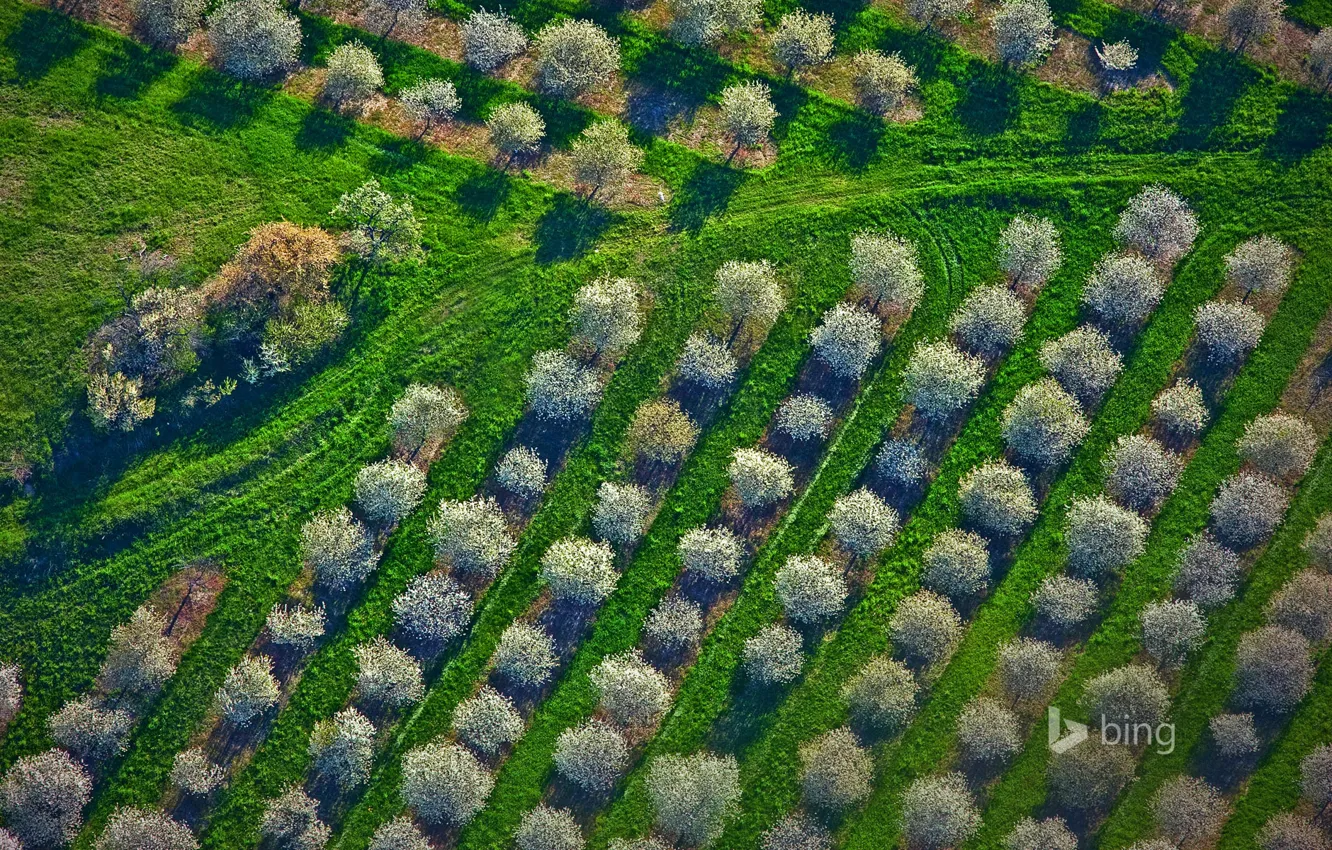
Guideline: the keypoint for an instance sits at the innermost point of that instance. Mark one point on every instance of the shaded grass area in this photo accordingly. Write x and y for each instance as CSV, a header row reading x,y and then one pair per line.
x,y
1256,391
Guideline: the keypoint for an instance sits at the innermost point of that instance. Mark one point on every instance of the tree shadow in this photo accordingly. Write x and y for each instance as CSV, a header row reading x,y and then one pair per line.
x,y
1084,127
989,101
482,194
322,130
1301,127
690,74
397,154
216,103
41,41
133,68
1213,88
855,140
568,229
707,192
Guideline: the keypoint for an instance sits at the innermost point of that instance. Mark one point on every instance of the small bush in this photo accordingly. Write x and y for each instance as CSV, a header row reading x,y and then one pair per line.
x,y
1140,473
621,514
810,589
997,500
774,656
847,340
579,571
593,756
525,655
487,721
1247,509
631,691
939,812
712,553
989,322
1171,630
925,628
957,565
837,771
1102,537
940,380
988,734
1083,363
693,795
574,56
882,696
1208,572
1281,445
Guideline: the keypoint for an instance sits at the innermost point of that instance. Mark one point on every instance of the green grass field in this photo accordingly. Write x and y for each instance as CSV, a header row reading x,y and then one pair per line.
x,y
106,144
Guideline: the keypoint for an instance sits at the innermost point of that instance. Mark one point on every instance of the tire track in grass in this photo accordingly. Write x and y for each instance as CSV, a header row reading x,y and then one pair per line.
x,y
1257,390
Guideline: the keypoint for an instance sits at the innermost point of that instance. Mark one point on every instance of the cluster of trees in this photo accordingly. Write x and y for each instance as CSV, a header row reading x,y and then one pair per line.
x,y
272,306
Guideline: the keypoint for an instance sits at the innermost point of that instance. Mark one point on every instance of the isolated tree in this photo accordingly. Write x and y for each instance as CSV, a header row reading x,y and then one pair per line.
x,y
882,81
760,478
384,17
432,610
836,771
431,103
444,783
343,748
631,691
399,834
810,589
1316,778
1289,831
1083,363
1043,424
1234,735
1207,572
939,812
593,756
490,39
89,731
1320,57
1030,251
1273,671
1063,604
621,514
882,696
1188,810
707,363
387,676
353,75
1247,509
1027,668
676,624
515,129
988,734
603,156
1304,605
425,417
1228,330
661,432
249,690
802,41
380,230
1252,20
1158,223
338,548
901,462
194,774
116,403
706,22
521,472
957,565
487,721
989,322
939,380
797,832
1171,630
997,500
1048,834
774,656
1117,58
1279,444
574,56
144,829
747,114
711,553
42,797
579,570
925,628
926,12
693,795
1130,695
803,417
1090,776
291,822
862,523
140,657
606,317
1102,537
473,536
525,655
886,268
1122,291
749,292
167,23
1024,32
544,828
559,388
389,490
253,39
847,340
1180,410
1140,472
